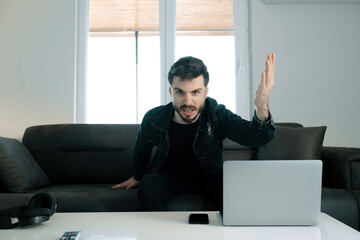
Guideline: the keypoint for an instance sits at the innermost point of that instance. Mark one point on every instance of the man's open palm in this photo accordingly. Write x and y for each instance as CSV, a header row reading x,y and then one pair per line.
x,y
263,91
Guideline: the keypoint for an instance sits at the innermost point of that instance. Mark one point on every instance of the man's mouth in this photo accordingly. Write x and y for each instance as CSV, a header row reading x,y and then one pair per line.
x,y
188,110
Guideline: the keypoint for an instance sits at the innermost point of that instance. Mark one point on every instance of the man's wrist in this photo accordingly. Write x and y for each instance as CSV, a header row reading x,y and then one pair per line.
x,y
262,114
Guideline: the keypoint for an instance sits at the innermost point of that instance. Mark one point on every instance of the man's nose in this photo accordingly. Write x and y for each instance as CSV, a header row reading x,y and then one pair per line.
x,y
188,99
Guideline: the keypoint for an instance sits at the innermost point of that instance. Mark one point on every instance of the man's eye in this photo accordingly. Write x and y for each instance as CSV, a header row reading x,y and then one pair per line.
x,y
179,92
196,92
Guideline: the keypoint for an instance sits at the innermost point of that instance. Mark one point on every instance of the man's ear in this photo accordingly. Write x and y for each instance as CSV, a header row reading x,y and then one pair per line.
x,y
170,92
206,91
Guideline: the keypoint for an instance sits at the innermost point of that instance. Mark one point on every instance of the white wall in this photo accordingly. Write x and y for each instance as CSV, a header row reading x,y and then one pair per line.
x,y
317,70
37,63
317,80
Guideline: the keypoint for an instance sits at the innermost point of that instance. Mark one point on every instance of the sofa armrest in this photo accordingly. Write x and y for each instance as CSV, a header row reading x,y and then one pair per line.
x,y
341,167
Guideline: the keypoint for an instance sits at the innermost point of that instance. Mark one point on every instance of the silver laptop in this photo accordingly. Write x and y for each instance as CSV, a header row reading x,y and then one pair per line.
x,y
280,192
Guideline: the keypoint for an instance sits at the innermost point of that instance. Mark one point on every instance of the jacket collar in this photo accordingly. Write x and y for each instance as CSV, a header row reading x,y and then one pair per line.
x,y
163,120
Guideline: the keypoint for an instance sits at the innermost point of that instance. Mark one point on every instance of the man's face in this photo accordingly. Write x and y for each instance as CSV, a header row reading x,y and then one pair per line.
x,y
188,98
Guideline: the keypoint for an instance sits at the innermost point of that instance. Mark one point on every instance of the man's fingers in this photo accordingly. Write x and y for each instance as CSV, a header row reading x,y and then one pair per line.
x,y
270,63
267,77
121,185
128,184
273,56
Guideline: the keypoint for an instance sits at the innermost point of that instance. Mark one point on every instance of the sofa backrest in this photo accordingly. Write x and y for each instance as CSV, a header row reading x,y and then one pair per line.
x,y
98,153
83,153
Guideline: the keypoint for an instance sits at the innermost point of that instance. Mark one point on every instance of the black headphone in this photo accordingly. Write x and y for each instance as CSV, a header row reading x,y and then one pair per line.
x,y
39,209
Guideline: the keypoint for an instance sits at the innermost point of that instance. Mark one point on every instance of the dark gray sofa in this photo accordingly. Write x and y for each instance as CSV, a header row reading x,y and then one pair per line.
x,y
78,164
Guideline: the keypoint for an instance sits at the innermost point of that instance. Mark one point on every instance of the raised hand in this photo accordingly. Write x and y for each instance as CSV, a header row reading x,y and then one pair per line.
x,y
263,91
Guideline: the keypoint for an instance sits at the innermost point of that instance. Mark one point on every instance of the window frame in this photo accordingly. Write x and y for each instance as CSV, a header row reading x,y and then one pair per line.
x,y
167,28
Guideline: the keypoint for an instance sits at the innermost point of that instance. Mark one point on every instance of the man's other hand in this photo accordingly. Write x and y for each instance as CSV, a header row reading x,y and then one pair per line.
x,y
128,184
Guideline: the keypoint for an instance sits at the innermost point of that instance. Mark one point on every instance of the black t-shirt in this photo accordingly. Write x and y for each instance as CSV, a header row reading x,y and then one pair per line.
x,y
181,161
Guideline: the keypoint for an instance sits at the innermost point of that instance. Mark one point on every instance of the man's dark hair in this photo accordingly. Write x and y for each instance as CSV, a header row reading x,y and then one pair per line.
x,y
188,68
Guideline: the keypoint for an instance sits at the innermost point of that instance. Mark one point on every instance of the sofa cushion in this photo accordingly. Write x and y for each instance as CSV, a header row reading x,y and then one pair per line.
x,y
341,205
19,172
294,143
93,198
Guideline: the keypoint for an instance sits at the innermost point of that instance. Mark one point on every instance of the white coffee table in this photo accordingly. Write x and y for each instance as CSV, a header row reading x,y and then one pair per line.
x,y
171,226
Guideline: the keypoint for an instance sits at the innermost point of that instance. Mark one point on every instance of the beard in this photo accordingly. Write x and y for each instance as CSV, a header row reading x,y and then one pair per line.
x,y
187,119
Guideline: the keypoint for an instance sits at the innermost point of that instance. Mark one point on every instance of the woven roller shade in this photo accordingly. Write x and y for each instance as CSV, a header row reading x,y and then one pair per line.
x,y
108,16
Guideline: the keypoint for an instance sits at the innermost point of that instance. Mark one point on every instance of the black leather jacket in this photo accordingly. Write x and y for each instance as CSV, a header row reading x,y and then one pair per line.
x,y
214,125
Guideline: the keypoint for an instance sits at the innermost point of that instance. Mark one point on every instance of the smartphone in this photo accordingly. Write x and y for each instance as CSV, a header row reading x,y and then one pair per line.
x,y
198,218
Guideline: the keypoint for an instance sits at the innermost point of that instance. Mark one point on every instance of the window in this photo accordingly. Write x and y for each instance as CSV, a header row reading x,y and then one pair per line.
x,y
123,60
123,79
204,29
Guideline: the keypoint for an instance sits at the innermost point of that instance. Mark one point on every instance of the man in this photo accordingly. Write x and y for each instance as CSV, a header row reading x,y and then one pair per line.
x,y
187,135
